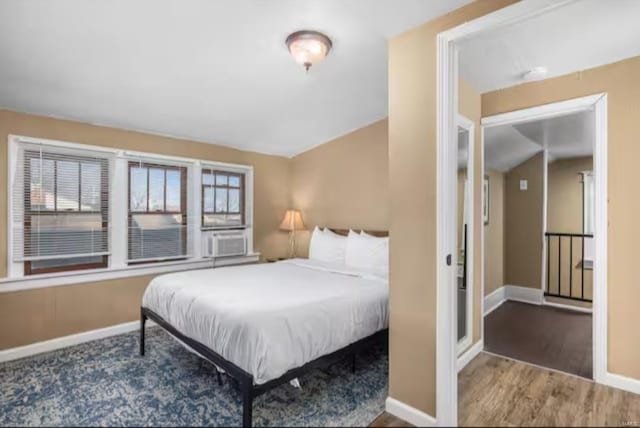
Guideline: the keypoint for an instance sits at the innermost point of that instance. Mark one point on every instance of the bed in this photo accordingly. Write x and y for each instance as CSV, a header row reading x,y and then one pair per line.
x,y
267,324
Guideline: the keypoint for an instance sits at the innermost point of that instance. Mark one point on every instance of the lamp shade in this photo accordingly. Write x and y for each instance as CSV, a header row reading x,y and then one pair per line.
x,y
292,221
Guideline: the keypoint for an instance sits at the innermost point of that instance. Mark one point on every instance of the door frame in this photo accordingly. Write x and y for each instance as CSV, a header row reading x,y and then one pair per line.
x,y
596,103
447,111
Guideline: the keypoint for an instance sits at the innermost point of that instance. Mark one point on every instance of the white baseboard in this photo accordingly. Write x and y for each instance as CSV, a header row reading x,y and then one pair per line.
x,y
409,414
516,293
568,307
493,300
466,358
529,295
74,339
622,382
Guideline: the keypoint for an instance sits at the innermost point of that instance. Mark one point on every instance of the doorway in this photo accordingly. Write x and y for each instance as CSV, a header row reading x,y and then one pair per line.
x,y
540,165
447,107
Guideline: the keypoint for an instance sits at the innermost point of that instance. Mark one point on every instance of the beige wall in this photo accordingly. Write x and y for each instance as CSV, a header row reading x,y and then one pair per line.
x,y
31,316
344,183
494,234
412,165
564,194
524,224
620,81
564,215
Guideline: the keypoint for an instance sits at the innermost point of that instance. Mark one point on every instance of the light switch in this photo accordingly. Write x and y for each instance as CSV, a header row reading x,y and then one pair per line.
x,y
524,184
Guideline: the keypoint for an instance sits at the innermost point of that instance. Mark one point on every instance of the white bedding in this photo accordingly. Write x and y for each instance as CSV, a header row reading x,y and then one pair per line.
x,y
270,318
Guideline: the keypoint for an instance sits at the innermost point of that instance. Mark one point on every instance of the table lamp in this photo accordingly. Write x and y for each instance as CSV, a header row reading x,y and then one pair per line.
x,y
292,221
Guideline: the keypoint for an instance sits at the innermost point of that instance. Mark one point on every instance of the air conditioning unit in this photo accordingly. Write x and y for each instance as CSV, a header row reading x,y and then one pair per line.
x,y
224,244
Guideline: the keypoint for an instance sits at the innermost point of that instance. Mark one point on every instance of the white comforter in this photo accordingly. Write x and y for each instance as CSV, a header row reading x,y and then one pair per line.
x,y
270,318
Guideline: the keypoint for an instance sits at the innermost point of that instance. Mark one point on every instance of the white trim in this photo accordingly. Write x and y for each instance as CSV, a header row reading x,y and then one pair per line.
x,y
409,414
545,204
79,277
506,16
622,382
71,340
528,295
463,345
466,358
516,293
118,214
545,302
598,104
483,306
542,112
467,339
446,231
600,264
493,301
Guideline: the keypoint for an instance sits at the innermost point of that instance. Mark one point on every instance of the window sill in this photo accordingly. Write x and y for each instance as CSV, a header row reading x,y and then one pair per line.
x,y
80,277
222,228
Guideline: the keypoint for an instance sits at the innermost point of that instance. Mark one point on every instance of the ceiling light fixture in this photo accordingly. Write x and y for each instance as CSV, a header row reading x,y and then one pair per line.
x,y
308,47
536,73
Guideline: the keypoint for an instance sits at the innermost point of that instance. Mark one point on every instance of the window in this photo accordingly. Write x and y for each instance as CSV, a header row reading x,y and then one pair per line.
x,y
65,220
61,210
157,212
222,198
588,198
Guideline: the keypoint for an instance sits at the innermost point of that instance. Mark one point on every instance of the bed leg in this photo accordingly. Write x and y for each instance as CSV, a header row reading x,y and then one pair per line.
x,y
143,320
353,363
219,377
247,404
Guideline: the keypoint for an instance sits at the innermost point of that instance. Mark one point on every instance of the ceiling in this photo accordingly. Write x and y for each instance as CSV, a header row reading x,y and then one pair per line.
x,y
211,71
581,35
565,137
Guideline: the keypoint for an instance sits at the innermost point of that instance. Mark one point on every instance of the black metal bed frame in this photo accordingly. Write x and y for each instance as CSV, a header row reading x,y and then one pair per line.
x,y
248,390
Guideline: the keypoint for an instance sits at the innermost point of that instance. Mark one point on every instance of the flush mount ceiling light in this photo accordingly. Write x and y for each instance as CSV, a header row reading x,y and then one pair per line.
x,y
308,47
536,73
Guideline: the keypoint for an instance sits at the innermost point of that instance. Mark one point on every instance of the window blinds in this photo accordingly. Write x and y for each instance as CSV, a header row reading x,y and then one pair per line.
x,y
157,207
60,205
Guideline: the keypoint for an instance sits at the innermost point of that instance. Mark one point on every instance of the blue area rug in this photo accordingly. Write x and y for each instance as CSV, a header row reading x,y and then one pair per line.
x,y
106,383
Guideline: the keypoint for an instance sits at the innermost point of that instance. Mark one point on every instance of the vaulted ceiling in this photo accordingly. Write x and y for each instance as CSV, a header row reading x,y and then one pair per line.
x,y
564,137
212,71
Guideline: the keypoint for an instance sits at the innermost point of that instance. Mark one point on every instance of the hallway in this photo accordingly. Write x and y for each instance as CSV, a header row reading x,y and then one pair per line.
x,y
550,337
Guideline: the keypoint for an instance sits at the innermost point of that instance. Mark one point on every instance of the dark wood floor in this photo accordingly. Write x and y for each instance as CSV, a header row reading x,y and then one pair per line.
x,y
550,337
495,391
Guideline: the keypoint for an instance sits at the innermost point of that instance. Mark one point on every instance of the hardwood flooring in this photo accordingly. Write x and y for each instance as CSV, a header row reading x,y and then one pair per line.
x,y
388,420
551,337
495,391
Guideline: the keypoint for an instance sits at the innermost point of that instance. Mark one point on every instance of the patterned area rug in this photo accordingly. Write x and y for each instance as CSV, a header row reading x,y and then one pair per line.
x,y
106,383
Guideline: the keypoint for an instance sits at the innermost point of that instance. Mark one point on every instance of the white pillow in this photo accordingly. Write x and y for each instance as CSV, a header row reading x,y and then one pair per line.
x,y
331,232
367,252
327,247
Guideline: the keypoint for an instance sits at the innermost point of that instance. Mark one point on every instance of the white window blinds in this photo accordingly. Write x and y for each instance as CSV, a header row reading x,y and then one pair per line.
x,y
60,213
157,213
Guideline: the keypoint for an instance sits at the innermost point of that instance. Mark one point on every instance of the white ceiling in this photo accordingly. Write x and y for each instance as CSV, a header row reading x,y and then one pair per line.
x,y
579,36
212,71
566,136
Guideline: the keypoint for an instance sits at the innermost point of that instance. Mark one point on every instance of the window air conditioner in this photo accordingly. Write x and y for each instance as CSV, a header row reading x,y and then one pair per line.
x,y
224,244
